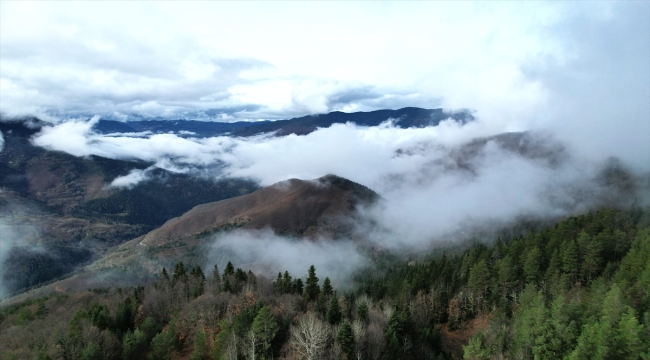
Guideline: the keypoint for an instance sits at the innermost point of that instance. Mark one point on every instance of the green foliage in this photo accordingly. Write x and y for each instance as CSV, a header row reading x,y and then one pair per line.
x,y
24,316
312,290
265,327
399,336
298,287
327,287
362,311
100,316
531,266
229,270
475,349
134,344
560,292
201,350
345,338
479,277
163,344
334,311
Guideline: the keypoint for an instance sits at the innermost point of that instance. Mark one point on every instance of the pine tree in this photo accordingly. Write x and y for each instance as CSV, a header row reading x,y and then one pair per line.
x,y
327,287
286,283
216,277
229,270
201,348
265,327
628,340
298,287
179,271
92,352
227,287
334,311
312,290
591,249
164,275
479,277
570,259
345,338
362,311
531,266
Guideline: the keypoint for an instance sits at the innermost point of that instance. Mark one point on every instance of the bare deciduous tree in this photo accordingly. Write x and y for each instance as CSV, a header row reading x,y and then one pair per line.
x,y
309,337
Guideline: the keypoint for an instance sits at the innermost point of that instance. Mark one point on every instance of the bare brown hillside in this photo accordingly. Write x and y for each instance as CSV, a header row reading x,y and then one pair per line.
x,y
292,207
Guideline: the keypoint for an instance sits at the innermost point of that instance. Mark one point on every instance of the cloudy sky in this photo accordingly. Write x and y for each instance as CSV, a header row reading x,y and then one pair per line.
x,y
276,60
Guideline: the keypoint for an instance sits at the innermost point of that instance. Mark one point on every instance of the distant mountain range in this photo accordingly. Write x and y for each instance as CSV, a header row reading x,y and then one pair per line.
x,y
405,118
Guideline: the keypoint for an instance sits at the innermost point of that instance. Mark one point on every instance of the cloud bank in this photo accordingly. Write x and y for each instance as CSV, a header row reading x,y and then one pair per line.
x,y
267,253
434,180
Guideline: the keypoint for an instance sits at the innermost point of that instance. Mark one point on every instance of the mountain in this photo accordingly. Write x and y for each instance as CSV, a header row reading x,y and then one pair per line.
x,y
404,118
292,207
181,127
66,201
296,208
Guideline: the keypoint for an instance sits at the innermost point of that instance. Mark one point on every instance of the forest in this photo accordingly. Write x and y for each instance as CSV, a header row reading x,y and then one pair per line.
x,y
579,289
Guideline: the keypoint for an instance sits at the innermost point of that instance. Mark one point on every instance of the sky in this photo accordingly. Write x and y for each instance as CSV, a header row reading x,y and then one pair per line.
x,y
258,60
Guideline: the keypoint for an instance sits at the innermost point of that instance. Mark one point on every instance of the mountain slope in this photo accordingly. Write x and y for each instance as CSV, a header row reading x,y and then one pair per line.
x,y
76,217
296,208
293,207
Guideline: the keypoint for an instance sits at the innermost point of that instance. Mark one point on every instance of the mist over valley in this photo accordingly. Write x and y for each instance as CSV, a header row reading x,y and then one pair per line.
x,y
390,183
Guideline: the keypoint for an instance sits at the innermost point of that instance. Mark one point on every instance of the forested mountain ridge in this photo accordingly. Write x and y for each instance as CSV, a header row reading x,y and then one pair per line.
x,y
579,289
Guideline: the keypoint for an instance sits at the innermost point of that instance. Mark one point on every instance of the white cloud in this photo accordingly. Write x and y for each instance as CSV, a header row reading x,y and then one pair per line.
x,y
433,185
267,253
131,179
289,58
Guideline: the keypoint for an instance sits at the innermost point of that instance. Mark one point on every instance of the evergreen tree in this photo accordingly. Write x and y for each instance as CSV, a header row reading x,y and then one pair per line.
x,y
92,352
399,335
345,338
531,266
164,343
229,270
279,284
591,249
554,265
506,274
362,311
628,340
265,327
179,271
479,277
570,260
334,311
240,275
215,274
227,287
286,283
201,350
312,290
298,287
164,274
327,287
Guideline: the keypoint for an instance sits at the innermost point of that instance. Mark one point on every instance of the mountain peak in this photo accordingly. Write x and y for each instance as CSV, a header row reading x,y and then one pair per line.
x,y
293,207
